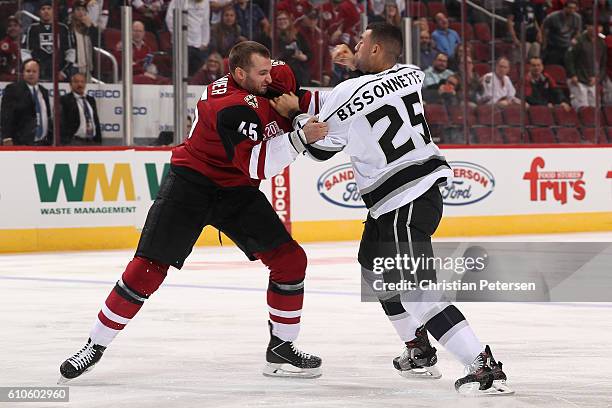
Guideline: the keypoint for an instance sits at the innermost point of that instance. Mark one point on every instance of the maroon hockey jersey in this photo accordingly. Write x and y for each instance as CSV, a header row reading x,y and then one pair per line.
x,y
234,140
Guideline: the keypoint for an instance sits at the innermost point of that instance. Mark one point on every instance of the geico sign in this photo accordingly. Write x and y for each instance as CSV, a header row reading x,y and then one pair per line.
x,y
110,127
104,93
136,110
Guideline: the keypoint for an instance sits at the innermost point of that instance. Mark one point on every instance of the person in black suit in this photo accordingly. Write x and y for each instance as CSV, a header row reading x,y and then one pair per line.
x,y
80,124
25,111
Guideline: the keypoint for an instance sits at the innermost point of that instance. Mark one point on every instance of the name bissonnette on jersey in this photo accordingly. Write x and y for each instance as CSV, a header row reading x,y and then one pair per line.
x,y
378,120
361,100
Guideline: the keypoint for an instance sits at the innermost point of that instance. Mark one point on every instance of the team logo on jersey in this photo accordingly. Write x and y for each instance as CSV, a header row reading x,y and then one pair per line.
x,y
252,101
556,185
272,130
46,42
5,46
338,186
471,183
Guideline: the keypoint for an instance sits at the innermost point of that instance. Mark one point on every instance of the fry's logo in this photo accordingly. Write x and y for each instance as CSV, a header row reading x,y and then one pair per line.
x,y
89,178
560,183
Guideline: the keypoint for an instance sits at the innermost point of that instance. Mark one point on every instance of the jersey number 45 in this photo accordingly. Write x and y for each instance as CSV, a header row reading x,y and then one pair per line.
x,y
391,152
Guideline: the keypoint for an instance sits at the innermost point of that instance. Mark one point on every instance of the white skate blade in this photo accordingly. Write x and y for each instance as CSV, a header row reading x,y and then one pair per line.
x,y
425,373
499,387
290,371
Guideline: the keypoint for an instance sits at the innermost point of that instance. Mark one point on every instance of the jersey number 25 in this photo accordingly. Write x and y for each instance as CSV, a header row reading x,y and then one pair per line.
x,y
391,152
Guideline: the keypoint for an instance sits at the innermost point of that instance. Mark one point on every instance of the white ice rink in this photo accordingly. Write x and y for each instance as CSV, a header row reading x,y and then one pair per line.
x,y
200,340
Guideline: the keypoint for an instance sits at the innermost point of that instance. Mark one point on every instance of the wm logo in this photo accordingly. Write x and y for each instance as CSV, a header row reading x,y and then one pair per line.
x,y
89,178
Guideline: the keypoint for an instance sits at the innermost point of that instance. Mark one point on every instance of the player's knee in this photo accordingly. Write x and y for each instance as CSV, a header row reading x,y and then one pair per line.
x,y
144,276
287,263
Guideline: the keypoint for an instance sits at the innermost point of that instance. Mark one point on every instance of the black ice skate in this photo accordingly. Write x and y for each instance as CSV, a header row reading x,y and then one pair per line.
x,y
285,360
483,377
82,362
418,359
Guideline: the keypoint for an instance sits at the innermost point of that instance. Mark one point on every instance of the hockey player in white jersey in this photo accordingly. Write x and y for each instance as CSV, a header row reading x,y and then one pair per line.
x,y
378,120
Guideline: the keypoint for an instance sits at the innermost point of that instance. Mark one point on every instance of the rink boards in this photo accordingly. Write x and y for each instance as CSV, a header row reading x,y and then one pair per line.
x,y
98,199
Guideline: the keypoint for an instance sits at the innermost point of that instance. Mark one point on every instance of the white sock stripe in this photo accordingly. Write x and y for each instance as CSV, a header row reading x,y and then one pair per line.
x,y
113,316
101,334
286,332
285,313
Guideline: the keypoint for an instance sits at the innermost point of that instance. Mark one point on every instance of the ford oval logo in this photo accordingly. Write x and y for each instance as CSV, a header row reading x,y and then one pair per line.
x,y
338,186
471,183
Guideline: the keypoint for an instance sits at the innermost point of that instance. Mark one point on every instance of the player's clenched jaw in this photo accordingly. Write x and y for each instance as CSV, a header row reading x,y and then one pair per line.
x,y
258,76
379,48
363,51
250,66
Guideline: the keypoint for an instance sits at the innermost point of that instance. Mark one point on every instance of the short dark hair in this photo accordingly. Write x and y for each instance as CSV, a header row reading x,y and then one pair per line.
x,y
26,62
240,54
389,36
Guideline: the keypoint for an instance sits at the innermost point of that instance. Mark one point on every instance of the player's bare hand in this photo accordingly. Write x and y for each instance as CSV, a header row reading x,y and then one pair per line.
x,y
342,55
285,104
314,130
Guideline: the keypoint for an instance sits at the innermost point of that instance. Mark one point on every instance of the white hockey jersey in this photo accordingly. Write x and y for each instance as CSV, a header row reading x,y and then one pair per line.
x,y
378,120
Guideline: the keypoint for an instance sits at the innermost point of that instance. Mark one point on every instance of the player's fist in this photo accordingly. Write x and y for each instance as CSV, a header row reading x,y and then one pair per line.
x,y
314,130
342,55
285,104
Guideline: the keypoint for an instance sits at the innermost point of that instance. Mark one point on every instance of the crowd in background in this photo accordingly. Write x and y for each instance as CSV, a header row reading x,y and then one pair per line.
x,y
564,53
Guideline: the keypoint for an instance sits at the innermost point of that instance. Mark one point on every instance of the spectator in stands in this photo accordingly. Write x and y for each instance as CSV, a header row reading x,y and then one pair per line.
x,y
292,48
97,11
216,10
448,92
319,65
252,21
9,50
437,73
378,8
446,38
456,60
295,8
392,13
428,50
38,44
151,76
227,33
581,67
25,111
80,124
531,14
421,24
344,28
141,52
560,30
86,37
497,86
210,71
198,30
472,81
541,88
149,12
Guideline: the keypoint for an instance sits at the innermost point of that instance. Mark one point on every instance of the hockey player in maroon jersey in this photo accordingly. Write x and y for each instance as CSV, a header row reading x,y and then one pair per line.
x,y
213,180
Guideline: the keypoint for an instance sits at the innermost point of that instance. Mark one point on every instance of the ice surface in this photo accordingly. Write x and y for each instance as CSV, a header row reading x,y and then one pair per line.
x,y
200,340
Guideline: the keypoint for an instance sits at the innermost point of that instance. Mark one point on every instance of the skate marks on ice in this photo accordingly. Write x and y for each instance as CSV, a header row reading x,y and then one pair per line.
x,y
204,347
